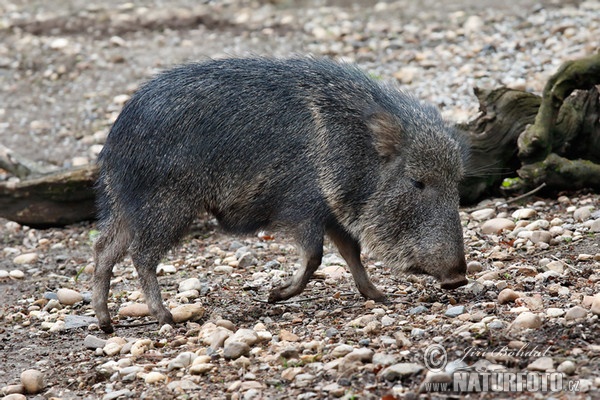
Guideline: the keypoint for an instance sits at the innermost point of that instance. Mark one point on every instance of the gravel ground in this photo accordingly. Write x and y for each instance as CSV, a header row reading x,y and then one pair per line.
x,y
533,303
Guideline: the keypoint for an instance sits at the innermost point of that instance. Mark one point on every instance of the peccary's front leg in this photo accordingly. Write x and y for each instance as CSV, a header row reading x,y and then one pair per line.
x,y
349,248
311,244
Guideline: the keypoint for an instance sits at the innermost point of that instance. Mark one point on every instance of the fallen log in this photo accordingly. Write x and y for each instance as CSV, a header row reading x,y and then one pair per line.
x,y
55,199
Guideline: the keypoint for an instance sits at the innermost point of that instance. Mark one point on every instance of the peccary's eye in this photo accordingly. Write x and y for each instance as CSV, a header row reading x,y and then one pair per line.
x,y
418,184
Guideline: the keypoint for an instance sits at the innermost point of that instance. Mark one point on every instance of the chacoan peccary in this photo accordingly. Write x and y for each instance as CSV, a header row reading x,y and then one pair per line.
x,y
308,146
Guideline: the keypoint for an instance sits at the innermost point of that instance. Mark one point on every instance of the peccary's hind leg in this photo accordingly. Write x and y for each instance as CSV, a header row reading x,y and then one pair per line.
x,y
145,262
109,249
156,233
349,248
310,242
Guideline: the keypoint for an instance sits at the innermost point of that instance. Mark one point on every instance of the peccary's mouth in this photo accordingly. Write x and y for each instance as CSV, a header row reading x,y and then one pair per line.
x,y
454,283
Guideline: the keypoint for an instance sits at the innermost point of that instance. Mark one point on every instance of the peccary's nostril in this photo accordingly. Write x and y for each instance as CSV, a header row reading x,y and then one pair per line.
x,y
454,283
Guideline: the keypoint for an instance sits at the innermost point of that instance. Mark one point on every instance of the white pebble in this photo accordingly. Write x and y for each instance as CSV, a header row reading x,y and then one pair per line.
x,y
27,258
68,296
32,381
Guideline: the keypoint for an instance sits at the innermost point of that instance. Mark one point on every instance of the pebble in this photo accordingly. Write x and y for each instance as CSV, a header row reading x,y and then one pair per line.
x,y
247,336
5,274
190,284
16,274
401,370
526,320
288,336
582,214
135,310
341,350
576,312
202,368
555,312
234,350
497,225
455,311
595,308
27,258
524,213
93,342
68,296
507,295
541,237
188,312
483,214
542,364
568,367
155,377
474,267
362,354
15,396
32,381
556,266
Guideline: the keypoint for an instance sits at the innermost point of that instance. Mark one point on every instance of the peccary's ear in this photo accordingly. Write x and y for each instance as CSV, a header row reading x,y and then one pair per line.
x,y
386,131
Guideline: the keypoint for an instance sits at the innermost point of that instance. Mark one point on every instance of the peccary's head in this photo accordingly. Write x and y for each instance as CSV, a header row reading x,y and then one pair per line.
x,y
411,222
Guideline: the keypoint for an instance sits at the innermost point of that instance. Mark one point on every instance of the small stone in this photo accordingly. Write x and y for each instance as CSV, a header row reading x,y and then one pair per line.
x,y
187,312
568,367
473,25
59,43
524,213
595,226
595,308
396,371
582,213
223,269
234,350
135,310
32,381
246,260
247,336
341,350
417,310
14,396
68,296
541,237
16,274
527,320
542,364
27,258
497,225
289,374
363,354
112,348
190,284
474,267
553,312
483,214
507,295
384,359
13,389
4,274
155,377
93,342
288,336
576,313
455,311
556,266
225,323
164,269
202,368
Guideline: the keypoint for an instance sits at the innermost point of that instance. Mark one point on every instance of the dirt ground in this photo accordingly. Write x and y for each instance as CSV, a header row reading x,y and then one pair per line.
x,y
67,67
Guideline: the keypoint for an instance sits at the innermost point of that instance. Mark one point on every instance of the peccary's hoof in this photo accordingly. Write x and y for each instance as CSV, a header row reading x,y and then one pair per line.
x,y
455,283
275,296
107,328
